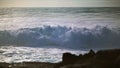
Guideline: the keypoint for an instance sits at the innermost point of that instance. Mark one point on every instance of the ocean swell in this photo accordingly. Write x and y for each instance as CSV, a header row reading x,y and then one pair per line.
x,y
63,37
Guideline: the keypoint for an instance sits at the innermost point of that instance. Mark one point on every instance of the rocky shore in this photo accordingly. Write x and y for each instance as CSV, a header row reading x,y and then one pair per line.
x,y
99,59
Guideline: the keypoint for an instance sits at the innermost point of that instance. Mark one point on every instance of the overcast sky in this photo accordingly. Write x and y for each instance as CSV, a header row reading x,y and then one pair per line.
x,y
59,3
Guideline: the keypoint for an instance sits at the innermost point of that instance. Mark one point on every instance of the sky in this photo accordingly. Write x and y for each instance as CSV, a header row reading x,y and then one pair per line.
x,y
59,3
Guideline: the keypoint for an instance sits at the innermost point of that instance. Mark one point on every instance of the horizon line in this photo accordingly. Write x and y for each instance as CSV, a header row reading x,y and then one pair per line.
x,y
68,7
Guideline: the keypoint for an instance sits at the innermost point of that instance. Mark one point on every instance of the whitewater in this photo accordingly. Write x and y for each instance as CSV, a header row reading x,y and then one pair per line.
x,y
11,54
44,34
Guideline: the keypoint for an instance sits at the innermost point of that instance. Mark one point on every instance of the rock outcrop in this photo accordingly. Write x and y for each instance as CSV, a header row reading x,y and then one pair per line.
x,y
100,59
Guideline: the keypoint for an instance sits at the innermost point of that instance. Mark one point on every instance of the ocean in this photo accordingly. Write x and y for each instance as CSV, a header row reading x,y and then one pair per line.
x,y
16,18
43,34
13,54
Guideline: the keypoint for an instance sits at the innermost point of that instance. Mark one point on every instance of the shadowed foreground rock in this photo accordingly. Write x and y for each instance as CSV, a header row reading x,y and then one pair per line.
x,y
100,59
27,65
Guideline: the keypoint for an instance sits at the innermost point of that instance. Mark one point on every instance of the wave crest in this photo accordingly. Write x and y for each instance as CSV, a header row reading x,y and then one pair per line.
x,y
65,37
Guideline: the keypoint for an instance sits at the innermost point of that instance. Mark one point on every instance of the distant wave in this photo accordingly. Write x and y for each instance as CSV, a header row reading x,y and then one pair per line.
x,y
64,37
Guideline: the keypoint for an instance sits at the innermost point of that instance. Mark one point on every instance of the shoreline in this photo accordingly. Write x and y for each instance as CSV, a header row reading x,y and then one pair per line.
x,y
100,59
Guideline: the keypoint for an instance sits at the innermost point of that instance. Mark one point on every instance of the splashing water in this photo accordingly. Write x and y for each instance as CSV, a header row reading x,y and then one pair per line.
x,y
11,54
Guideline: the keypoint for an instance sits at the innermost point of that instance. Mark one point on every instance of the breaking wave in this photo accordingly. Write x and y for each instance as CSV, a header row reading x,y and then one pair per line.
x,y
63,37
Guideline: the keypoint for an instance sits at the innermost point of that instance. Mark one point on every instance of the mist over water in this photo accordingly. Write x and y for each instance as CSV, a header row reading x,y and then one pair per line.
x,y
58,29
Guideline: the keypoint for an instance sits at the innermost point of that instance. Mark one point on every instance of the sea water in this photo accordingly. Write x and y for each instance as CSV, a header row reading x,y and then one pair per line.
x,y
44,34
16,18
12,54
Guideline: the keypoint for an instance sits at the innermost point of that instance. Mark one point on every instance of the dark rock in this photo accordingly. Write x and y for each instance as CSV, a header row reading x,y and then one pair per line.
x,y
109,55
69,58
88,55
100,59
27,65
91,52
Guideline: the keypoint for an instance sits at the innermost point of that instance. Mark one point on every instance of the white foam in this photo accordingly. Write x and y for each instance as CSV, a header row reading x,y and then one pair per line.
x,y
19,54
